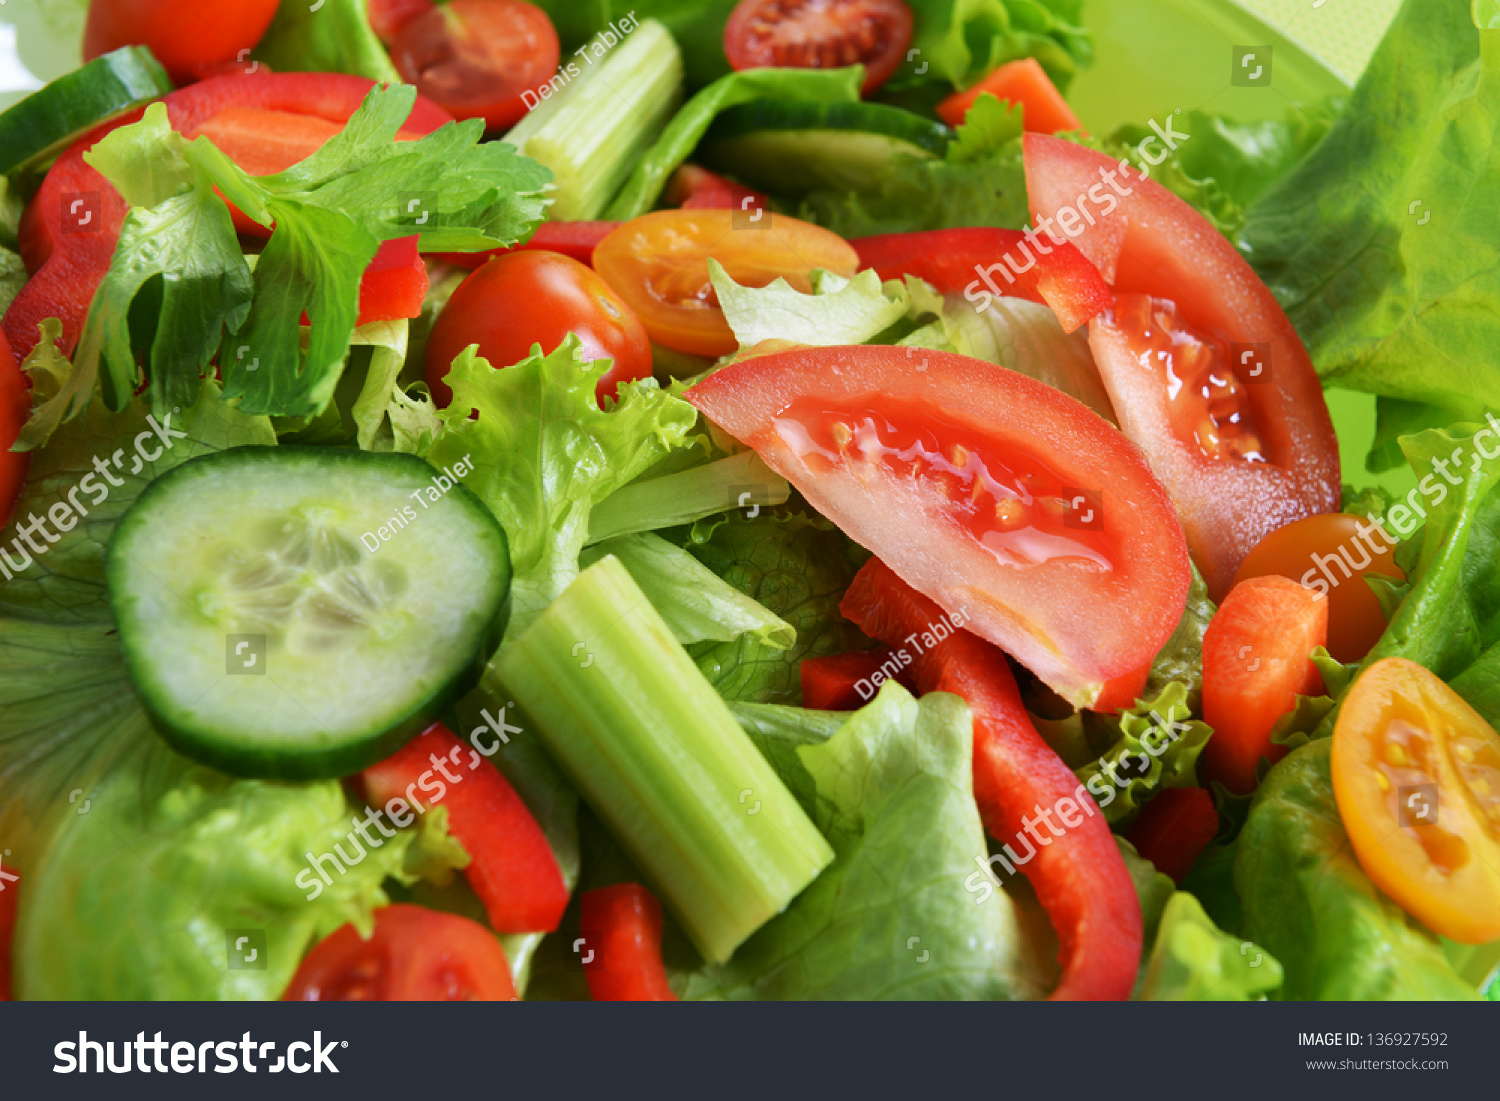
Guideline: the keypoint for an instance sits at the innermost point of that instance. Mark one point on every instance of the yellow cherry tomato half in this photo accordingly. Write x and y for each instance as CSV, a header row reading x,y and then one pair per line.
x,y
1416,774
658,263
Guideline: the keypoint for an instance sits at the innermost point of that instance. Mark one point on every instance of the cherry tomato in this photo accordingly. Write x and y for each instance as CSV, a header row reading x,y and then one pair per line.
x,y
659,264
187,36
1015,508
15,407
1204,370
414,955
820,34
525,298
1416,774
476,57
388,17
1331,553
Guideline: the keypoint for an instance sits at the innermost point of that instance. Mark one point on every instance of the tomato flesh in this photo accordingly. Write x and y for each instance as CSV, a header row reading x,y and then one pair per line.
x,y
820,34
1147,242
414,955
524,298
1416,774
187,36
388,17
15,408
476,57
658,263
1081,596
1331,554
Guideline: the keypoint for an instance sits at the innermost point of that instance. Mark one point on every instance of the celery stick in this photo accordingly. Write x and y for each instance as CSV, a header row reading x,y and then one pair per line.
x,y
592,131
654,750
740,481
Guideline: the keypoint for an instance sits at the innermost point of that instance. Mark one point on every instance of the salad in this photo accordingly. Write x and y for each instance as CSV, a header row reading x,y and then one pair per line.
x,y
741,500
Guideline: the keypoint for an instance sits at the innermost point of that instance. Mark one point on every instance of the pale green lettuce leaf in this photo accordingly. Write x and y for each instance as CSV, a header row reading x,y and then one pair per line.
x,y
1194,961
332,37
854,313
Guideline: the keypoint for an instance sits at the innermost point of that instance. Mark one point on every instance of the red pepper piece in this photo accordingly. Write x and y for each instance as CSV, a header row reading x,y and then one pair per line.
x,y
694,188
833,683
395,283
8,908
1174,828
268,122
959,261
1019,782
513,869
575,239
621,927
1024,82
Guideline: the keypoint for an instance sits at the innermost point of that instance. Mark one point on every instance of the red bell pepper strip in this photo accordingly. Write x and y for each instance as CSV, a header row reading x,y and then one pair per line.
x,y
395,284
15,407
575,239
621,927
512,868
833,683
1020,783
8,907
973,262
266,122
694,188
1024,82
1174,828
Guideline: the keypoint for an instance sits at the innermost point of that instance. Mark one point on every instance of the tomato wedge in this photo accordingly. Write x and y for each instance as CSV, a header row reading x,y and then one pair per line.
x,y
477,57
658,264
1011,505
621,927
188,37
820,34
1205,371
969,262
15,407
414,955
1019,781
1416,774
67,266
1024,82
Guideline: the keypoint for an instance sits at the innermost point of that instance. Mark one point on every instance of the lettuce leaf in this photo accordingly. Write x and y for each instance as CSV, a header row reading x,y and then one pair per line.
x,y
1194,961
1181,657
961,40
848,312
1308,902
1158,746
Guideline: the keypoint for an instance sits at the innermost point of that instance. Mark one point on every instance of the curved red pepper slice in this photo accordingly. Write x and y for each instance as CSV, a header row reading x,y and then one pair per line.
x,y
268,122
395,284
846,682
983,262
1020,784
621,927
575,239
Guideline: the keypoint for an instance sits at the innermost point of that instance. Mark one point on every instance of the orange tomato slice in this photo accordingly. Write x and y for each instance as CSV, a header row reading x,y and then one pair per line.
x,y
658,264
1416,774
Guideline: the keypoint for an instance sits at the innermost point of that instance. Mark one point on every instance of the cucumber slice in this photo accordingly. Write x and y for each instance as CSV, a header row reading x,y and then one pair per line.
x,y
49,120
793,147
296,612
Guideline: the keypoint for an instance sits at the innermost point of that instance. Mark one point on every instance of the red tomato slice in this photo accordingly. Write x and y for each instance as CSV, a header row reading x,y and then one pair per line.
x,y
1024,82
414,955
388,17
187,36
1013,506
1246,445
621,925
959,261
820,34
476,57
15,407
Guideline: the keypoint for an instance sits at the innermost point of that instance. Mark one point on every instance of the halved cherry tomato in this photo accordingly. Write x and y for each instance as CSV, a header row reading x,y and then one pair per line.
x,y
1255,665
414,955
1012,505
512,867
1205,371
820,34
187,36
846,682
575,239
395,284
694,188
621,927
527,298
1174,828
269,121
659,264
1416,774
1019,781
958,261
1331,553
388,17
15,407
476,57
1024,82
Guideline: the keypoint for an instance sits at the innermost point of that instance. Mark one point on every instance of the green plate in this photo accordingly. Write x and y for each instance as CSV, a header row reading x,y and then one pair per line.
x,y
1151,57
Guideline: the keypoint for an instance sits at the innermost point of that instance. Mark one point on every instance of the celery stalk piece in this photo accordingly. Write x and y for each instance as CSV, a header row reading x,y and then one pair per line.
x,y
740,481
655,751
593,131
